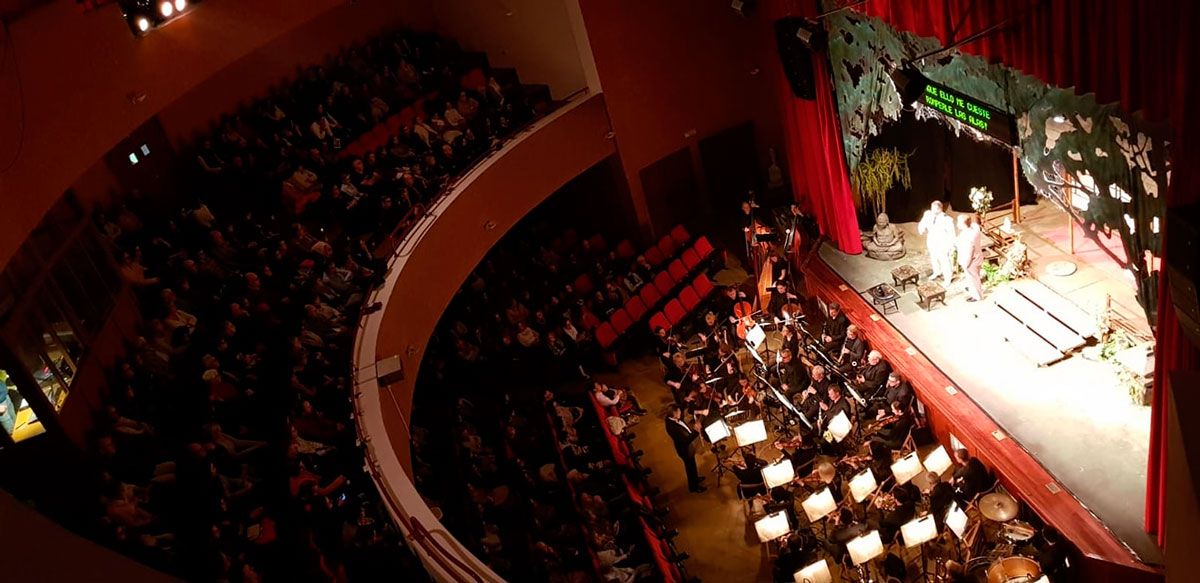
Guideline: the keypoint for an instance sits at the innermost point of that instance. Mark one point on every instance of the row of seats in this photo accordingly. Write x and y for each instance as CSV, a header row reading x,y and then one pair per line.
x,y
668,559
673,289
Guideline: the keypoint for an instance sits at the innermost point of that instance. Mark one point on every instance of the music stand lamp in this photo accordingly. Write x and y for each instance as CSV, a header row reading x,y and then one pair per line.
x,y
916,533
907,468
862,550
817,572
778,473
938,461
772,526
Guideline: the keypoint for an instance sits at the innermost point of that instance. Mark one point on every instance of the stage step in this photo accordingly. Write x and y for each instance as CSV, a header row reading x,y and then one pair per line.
x,y
1036,319
1064,310
1021,338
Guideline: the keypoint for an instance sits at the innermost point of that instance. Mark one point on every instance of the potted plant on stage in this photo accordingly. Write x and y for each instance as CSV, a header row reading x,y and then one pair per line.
x,y
981,201
873,177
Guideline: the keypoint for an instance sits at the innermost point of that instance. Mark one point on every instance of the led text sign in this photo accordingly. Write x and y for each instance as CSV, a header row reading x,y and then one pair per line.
x,y
969,111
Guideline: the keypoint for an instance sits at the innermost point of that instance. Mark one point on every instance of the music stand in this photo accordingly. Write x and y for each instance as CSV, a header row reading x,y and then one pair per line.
x,y
907,468
863,484
956,520
938,461
772,526
750,433
817,572
917,532
865,548
778,473
755,337
819,505
840,426
716,431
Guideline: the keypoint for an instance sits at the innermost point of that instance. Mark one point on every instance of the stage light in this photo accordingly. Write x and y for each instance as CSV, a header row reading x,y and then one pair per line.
x,y
910,84
865,547
750,433
817,572
906,468
863,484
772,526
918,531
1059,119
956,520
143,23
778,473
166,9
819,505
840,426
938,461
180,5
717,430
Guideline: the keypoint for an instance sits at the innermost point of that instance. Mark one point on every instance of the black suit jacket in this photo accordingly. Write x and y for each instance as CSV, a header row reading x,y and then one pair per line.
x,y
975,477
874,377
682,437
793,375
836,329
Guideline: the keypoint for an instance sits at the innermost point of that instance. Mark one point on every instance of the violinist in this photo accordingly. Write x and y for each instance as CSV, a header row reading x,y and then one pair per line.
x,y
833,331
896,389
871,378
894,427
748,396
795,449
676,371
792,377
709,333
665,345
853,352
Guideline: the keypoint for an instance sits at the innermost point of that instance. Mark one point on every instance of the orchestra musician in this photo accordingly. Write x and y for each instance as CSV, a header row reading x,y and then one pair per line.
x,y
780,297
796,449
748,471
896,390
809,400
833,331
665,345
676,372
723,304
790,340
871,378
792,377
836,404
896,425
941,495
970,477
778,268
854,349
747,396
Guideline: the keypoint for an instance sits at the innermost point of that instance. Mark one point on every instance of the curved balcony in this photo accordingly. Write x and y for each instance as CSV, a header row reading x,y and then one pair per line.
x,y
429,265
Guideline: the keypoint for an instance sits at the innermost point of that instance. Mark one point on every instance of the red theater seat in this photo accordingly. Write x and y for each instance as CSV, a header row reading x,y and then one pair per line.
x,y
675,312
620,321
605,335
667,246
703,248
677,270
637,308
691,259
654,257
703,286
689,298
658,320
583,285
680,235
588,320
664,282
474,80
650,295
625,250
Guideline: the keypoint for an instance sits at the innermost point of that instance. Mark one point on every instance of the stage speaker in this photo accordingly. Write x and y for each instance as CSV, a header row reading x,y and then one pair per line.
x,y
796,57
1183,268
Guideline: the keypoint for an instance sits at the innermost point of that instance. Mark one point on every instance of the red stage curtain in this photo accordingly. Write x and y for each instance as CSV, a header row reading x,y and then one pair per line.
x,y
813,137
1127,51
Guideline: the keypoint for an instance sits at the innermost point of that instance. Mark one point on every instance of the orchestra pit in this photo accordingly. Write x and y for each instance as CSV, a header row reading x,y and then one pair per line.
x,y
674,291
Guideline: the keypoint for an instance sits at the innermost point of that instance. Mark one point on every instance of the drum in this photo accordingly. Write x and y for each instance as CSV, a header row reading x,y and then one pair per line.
x,y
1014,570
1017,531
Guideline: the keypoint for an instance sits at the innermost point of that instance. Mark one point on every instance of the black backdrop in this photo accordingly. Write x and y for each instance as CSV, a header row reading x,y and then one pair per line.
x,y
943,167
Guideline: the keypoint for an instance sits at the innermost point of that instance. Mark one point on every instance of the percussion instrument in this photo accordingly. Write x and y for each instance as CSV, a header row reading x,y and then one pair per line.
x,y
998,506
1014,570
1017,531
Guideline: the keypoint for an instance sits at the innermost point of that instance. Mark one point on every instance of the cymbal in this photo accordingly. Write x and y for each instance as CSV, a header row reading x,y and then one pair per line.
x,y
998,506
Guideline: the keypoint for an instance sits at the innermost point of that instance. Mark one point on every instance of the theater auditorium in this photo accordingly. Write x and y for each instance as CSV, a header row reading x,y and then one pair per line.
x,y
677,291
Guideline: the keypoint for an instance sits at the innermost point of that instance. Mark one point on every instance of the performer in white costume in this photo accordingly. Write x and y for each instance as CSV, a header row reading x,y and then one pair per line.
x,y
938,229
970,256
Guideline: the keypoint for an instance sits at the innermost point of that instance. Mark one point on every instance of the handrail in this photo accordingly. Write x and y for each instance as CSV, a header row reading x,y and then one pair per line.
x,y
449,557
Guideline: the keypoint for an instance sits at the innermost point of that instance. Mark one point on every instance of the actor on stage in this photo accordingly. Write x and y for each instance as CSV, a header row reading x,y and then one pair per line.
x,y
684,437
938,229
970,256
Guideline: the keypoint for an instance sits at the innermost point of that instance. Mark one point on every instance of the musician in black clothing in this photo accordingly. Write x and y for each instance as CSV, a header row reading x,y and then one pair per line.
x,y
970,478
846,530
809,400
792,377
684,436
749,474
833,331
780,297
799,450
896,389
665,345
790,339
854,351
836,404
723,304
941,495
870,380
893,434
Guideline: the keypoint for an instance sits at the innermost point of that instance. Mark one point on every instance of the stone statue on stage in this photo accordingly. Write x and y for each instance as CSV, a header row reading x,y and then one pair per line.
x,y
884,242
938,228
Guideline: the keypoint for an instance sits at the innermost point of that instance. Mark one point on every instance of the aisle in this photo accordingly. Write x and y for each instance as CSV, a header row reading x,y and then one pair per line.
x,y
712,526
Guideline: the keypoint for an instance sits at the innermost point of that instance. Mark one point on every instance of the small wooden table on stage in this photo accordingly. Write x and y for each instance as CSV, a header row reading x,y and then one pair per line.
x,y
930,292
885,296
904,275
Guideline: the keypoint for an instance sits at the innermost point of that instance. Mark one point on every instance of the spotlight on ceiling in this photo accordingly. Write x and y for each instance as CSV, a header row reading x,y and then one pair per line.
x,y
180,5
910,83
812,34
143,23
744,8
166,8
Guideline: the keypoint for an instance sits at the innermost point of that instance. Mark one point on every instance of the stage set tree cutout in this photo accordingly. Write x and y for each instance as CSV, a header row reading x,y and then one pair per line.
x,y
1092,160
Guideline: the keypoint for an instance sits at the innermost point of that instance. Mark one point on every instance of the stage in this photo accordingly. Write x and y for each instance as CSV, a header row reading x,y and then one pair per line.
x,y
1074,416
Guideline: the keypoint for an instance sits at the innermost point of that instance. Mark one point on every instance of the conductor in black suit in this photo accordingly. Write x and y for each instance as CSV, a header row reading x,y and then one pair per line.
x,y
684,436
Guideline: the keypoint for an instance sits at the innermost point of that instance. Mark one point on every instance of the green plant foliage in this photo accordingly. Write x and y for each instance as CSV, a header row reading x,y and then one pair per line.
x,y
876,175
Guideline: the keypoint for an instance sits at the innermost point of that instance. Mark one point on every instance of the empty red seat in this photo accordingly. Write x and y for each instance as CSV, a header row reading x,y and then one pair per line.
x,y
674,312
667,246
703,247
606,335
625,250
620,321
689,298
654,257
583,285
691,259
597,243
664,282
677,270
680,235
636,307
650,296
703,286
658,320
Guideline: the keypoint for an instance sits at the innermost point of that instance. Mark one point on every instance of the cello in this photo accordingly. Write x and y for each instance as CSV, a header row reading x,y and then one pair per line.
x,y
744,312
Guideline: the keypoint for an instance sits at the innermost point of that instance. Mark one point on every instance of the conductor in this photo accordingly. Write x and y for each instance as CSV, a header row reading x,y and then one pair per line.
x,y
684,437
